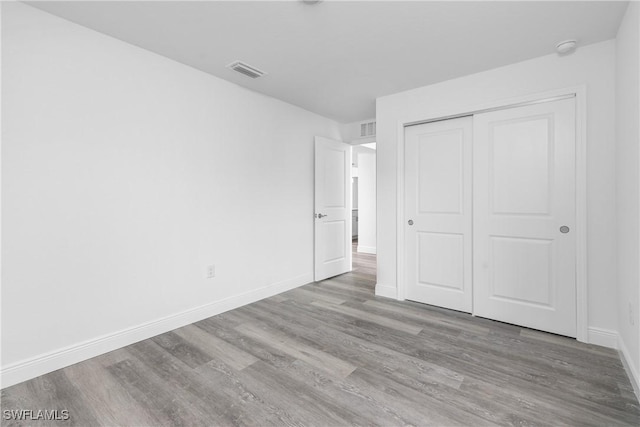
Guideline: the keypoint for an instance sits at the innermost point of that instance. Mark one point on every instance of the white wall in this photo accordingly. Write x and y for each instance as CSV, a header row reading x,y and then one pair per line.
x,y
124,175
628,184
593,66
366,199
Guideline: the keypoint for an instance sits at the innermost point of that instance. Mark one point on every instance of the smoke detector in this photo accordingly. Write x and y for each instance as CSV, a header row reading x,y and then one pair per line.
x,y
246,69
566,47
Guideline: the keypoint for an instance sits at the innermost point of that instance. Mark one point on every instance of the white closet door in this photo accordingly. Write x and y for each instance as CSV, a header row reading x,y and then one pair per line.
x,y
524,216
438,213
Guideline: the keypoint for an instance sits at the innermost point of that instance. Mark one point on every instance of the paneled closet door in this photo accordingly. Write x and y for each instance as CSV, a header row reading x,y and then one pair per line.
x,y
524,248
438,220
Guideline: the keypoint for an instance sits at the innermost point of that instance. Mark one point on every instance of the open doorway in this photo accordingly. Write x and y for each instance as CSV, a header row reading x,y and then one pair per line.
x,y
363,224
345,213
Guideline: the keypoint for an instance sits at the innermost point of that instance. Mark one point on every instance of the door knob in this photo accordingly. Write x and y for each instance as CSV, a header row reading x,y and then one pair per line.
x,y
564,229
410,222
321,216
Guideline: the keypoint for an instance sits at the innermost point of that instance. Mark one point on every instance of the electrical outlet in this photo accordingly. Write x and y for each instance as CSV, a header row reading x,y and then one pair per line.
x,y
632,314
211,271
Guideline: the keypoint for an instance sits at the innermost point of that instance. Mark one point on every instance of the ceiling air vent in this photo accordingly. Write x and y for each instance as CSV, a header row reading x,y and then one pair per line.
x,y
246,69
367,129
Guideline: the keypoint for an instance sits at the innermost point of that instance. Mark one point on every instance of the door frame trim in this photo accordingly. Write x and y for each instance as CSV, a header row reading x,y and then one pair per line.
x,y
580,94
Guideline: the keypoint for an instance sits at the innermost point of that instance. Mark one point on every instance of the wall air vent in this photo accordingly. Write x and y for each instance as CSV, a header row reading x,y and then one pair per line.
x,y
246,69
367,129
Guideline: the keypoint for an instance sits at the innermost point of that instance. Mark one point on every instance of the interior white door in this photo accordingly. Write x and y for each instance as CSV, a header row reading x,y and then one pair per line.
x,y
332,208
524,216
438,223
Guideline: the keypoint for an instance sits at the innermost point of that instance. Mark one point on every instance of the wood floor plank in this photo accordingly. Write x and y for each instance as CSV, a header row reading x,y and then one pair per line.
x,y
278,298
249,403
203,392
258,349
450,356
341,391
54,391
111,402
318,292
350,290
215,347
50,392
296,397
182,349
331,353
306,294
170,405
360,352
380,320
297,349
423,316
558,340
432,411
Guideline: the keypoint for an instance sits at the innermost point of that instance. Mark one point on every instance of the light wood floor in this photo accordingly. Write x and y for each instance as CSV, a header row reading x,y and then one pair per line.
x,y
332,354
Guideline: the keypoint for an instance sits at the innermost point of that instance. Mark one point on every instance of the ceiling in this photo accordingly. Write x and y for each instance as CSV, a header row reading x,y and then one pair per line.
x,y
336,57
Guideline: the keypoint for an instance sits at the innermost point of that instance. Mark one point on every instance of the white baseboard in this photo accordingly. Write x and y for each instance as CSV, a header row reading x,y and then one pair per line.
x,y
49,362
632,372
386,291
367,249
603,337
